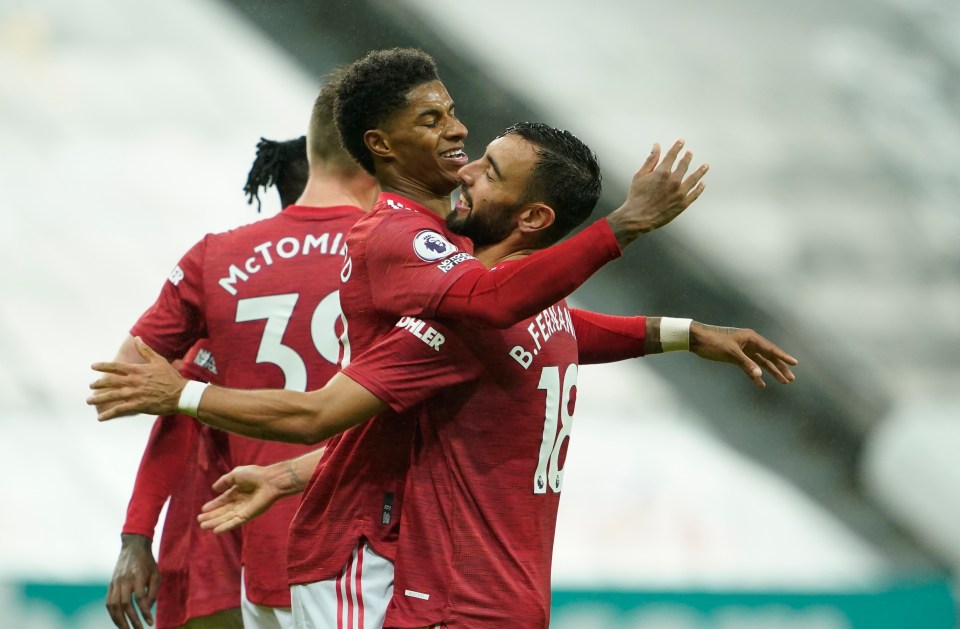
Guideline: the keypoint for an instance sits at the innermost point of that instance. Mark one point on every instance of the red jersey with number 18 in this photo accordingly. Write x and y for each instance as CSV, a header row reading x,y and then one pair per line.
x,y
402,261
267,297
484,484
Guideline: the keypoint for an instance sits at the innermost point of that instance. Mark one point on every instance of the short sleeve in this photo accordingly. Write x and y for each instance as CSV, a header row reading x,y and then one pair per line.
x,y
175,320
417,359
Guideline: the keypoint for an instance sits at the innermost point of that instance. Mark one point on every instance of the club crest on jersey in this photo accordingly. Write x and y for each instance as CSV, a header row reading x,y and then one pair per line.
x,y
431,246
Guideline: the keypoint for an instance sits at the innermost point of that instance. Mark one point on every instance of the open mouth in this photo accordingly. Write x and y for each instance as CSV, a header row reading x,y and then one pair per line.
x,y
457,156
464,202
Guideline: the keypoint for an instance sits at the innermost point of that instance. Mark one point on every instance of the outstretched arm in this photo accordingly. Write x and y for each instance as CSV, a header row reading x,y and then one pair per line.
x,y
659,192
249,490
742,347
605,338
277,415
126,354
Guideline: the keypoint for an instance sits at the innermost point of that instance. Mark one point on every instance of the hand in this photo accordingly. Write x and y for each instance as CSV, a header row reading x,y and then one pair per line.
x,y
245,493
744,348
152,387
658,194
135,576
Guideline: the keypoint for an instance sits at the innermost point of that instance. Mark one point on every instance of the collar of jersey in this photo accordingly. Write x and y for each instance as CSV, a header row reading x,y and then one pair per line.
x,y
407,204
309,211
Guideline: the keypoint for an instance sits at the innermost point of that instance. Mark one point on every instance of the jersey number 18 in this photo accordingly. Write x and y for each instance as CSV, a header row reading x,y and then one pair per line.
x,y
549,473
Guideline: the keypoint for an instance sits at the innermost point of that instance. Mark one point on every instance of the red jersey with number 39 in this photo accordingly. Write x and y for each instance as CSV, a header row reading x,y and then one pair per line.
x,y
267,297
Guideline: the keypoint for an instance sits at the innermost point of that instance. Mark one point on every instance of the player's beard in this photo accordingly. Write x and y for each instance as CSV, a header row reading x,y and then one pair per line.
x,y
483,228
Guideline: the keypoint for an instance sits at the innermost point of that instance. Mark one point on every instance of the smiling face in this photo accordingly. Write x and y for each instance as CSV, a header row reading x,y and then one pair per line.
x,y
424,140
493,190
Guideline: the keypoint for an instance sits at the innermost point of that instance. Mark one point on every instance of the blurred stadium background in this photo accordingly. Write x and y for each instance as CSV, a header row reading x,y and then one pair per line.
x,y
831,223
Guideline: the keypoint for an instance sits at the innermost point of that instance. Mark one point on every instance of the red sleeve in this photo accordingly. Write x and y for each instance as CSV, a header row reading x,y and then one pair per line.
x,y
413,362
605,339
161,467
175,320
167,453
509,294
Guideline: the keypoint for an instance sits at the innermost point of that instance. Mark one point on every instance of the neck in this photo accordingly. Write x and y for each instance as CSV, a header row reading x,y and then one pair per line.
x,y
328,189
508,249
438,203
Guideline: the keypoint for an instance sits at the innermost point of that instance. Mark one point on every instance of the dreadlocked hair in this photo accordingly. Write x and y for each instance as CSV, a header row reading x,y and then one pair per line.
x,y
280,164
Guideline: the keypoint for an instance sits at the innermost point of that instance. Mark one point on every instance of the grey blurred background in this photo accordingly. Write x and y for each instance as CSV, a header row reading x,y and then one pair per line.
x,y
830,223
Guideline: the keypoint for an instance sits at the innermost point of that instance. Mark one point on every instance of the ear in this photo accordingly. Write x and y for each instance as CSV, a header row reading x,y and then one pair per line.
x,y
535,218
377,143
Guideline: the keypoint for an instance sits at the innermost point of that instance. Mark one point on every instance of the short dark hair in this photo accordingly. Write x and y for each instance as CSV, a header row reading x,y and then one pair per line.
x,y
372,89
566,176
280,164
323,139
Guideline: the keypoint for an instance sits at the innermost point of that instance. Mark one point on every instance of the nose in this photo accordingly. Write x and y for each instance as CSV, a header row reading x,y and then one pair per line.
x,y
465,174
456,130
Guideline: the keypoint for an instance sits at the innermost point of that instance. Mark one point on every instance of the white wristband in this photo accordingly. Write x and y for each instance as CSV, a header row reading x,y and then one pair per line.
x,y
674,334
190,397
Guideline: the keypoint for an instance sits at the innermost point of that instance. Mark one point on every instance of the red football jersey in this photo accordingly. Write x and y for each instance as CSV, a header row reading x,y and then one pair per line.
x,y
484,485
267,297
481,497
200,572
400,261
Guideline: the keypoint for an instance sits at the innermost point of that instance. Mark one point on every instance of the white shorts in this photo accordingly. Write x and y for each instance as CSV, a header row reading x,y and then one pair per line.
x,y
257,616
356,599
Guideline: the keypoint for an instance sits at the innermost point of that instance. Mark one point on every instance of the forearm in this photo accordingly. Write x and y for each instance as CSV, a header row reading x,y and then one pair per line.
x,y
128,352
606,338
289,416
135,539
164,460
273,415
626,229
668,334
291,476
507,295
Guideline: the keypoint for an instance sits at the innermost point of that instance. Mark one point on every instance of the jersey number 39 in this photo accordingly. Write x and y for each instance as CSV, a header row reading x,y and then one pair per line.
x,y
277,310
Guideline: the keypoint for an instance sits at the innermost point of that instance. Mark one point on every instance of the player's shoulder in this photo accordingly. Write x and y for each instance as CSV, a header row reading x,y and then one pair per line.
x,y
276,226
424,240
240,231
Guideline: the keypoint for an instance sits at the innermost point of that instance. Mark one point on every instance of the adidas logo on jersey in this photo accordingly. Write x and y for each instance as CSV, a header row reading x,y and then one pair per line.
x,y
204,359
